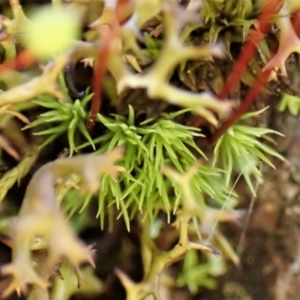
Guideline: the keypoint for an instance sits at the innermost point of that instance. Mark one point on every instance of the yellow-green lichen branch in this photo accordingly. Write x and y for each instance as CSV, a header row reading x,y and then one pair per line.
x,y
40,218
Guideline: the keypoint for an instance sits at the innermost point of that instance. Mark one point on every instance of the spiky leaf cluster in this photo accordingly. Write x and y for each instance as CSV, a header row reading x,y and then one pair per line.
x,y
240,149
149,146
69,117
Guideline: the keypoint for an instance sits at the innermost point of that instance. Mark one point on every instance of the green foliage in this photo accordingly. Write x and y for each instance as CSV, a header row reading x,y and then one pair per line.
x,y
240,150
149,146
195,274
290,102
69,117
152,46
228,13
153,143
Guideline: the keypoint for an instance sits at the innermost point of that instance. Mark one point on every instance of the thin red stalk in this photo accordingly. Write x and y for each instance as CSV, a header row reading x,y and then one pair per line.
x,y
245,57
103,56
247,53
98,79
246,104
264,20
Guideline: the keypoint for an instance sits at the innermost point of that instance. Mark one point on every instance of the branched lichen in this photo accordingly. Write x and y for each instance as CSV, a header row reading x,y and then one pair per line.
x,y
159,261
120,41
288,39
46,83
35,220
155,81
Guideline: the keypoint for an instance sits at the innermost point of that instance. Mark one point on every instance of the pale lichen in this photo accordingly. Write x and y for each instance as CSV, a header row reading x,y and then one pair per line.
x,y
41,225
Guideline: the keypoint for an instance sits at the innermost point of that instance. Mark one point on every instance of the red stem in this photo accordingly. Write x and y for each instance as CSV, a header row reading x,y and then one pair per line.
x,y
246,104
98,79
103,56
245,57
264,20
296,22
23,60
247,53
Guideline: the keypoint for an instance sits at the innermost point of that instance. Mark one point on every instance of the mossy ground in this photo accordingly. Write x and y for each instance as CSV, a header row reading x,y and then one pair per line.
x,y
269,267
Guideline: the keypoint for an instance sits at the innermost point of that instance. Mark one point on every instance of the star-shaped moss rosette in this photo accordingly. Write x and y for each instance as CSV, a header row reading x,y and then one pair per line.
x,y
65,117
241,148
149,146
